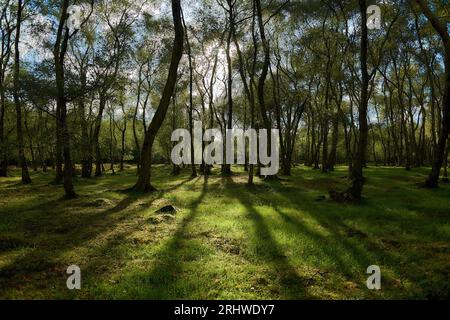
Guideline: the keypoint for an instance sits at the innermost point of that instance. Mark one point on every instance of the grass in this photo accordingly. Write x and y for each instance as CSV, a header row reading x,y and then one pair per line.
x,y
278,240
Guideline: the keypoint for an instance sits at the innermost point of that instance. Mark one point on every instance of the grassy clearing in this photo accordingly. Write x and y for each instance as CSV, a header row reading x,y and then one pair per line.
x,y
278,240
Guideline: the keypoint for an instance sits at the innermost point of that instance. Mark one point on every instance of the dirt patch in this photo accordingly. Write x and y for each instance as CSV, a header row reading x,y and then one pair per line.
x,y
226,245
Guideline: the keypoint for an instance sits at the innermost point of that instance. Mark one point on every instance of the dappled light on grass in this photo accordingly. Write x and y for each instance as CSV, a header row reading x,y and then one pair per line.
x,y
275,240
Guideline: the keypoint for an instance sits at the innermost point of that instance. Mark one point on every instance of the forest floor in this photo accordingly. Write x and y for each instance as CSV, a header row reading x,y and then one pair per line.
x,y
279,240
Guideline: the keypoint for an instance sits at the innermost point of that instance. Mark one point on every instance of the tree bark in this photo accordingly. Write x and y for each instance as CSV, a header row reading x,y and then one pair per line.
x,y
191,102
59,53
96,135
5,55
123,131
332,158
22,161
439,150
86,147
265,69
144,180
359,160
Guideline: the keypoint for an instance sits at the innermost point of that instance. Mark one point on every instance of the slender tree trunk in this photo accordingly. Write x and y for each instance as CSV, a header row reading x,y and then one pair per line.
x,y
112,141
86,147
175,167
251,171
265,69
3,152
226,169
58,163
334,142
191,102
135,136
60,50
359,160
30,140
3,146
144,180
96,135
123,131
445,177
22,161
5,55
440,149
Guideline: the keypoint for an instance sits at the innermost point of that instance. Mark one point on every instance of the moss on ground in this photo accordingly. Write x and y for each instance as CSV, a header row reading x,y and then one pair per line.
x,y
278,240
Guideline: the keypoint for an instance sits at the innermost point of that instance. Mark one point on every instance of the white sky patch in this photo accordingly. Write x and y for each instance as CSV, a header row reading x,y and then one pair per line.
x,y
152,9
31,44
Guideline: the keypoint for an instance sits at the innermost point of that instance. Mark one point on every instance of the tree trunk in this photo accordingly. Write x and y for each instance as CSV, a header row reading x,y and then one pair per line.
x,y
135,136
123,131
251,93
175,168
3,152
86,147
445,177
4,61
439,150
359,160
144,180
112,141
58,149
265,70
3,147
191,102
59,52
334,142
96,135
226,168
22,161
30,140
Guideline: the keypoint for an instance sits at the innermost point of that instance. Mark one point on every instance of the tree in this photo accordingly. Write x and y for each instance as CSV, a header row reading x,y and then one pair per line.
x,y
118,35
20,145
63,36
6,32
144,180
59,53
440,149
191,102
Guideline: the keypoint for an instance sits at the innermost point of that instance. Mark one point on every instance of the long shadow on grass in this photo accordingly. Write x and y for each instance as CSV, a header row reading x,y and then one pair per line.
x,y
351,249
291,284
160,282
66,232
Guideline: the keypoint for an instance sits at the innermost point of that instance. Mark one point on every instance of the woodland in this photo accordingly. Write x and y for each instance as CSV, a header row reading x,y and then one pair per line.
x,y
92,90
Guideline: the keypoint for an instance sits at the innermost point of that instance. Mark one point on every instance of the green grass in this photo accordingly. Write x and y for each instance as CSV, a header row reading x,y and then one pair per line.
x,y
277,240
